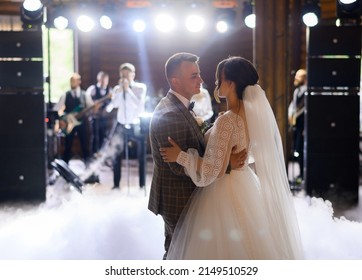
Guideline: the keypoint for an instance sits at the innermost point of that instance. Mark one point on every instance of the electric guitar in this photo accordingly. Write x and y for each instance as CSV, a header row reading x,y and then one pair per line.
x,y
296,116
68,122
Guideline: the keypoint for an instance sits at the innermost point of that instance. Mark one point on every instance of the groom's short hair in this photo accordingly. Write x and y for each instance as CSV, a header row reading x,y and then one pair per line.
x,y
174,62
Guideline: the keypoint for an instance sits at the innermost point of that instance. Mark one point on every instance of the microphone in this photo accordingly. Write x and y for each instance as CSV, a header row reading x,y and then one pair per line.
x,y
124,82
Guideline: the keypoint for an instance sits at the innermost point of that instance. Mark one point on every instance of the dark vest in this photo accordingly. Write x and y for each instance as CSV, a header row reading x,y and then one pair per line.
x,y
72,103
98,96
300,105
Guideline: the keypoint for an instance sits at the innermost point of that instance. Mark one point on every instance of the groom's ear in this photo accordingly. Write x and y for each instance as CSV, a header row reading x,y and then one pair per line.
x,y
175,81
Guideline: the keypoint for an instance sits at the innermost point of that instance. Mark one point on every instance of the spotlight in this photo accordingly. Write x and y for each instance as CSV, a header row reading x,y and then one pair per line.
x,y
61,22
59,17
311,13
106,22
32,13
138,19
224,19
221,26
139,25
164,23
249,15
108,14
85,23
349,8
195,23
32,5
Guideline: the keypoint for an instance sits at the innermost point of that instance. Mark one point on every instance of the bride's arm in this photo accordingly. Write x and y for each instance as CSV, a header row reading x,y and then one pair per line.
x,y
204,170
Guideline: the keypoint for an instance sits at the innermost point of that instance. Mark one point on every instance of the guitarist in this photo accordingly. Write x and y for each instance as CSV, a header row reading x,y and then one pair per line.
x,y
74,100
296,119
100,117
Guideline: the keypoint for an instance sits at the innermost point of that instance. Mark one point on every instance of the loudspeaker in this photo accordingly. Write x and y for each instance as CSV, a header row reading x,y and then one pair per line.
x,y
333,73
332,147
22,147
334,40
23,67
21,44
334,58
21,75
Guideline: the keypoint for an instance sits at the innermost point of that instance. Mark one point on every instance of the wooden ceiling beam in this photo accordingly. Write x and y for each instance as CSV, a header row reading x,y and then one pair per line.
x,y
10,8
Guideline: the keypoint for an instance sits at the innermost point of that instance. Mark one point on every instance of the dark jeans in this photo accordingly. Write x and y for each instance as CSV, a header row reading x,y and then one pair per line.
x,y
121,137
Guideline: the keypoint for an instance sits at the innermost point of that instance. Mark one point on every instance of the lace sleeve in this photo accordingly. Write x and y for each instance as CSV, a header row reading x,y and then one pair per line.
x,y
205,170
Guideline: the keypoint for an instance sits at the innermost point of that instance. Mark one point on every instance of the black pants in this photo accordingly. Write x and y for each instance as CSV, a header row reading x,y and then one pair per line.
x,y
99,132
81,132
299,148
120,139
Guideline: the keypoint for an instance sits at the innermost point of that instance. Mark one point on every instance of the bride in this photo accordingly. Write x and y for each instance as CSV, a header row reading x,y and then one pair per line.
x,y
249,213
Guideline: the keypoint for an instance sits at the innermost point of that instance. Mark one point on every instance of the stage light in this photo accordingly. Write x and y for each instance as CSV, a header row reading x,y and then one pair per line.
x,y
138,19
85,23
349,9
195,23
164,23
32,5
139,25
222,26
61,22
106,22
58,17
107,16
311,13
346,2
32,14
249,15
224,19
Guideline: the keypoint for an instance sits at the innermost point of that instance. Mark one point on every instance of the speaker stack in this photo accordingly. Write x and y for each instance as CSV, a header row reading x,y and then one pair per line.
x,y
332,113
22,117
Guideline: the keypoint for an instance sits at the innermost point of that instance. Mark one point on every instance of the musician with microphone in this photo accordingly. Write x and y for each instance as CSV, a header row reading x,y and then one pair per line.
x,y
70,105
129,98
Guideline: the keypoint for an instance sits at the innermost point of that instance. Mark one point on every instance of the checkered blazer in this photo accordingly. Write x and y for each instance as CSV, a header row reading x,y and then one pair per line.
x,y
171,188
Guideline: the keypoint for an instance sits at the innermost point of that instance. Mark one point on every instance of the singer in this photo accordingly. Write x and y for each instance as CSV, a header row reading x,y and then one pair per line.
x,y
129,98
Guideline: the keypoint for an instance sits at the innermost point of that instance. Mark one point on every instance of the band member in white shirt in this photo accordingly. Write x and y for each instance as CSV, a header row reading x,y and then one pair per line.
x,y
129,98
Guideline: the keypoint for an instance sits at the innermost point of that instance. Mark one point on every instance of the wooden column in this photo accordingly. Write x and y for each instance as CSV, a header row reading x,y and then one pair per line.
x,y
278,28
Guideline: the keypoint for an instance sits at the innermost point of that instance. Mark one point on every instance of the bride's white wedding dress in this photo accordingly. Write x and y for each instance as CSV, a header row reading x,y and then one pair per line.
x,y
244,214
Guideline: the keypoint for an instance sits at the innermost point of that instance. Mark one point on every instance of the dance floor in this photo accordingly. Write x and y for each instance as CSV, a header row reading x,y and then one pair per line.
x,y
106,224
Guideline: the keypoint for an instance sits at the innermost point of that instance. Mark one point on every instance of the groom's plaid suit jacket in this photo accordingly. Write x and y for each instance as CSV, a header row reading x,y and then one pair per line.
x,y
171,188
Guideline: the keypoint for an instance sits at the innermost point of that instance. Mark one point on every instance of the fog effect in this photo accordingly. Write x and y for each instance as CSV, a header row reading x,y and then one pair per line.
x,y
104,224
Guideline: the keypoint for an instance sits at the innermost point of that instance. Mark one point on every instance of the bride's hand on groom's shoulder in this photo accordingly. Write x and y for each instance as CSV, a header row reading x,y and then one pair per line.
x,y
170,154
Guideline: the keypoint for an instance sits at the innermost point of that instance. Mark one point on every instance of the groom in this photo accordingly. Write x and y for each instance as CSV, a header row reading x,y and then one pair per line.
x,y
171,188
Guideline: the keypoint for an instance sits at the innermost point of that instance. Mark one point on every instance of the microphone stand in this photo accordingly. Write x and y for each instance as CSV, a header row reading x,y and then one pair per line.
x,y
126,137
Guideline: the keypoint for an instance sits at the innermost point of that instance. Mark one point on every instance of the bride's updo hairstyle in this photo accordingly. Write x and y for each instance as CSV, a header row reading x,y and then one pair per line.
x,y
238,70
